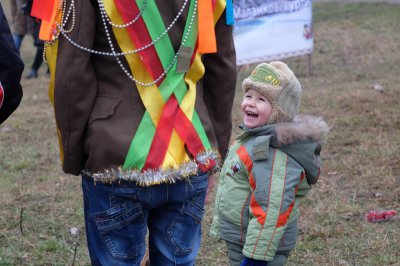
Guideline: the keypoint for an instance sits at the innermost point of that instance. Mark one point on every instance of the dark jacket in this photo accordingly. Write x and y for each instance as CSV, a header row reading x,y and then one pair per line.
x,y
11,67
99,109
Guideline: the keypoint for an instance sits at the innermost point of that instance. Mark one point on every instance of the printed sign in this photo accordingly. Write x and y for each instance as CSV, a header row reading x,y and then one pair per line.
x,y
266,30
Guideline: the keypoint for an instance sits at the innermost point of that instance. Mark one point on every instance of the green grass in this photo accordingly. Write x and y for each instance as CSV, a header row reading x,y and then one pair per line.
x,y
357,47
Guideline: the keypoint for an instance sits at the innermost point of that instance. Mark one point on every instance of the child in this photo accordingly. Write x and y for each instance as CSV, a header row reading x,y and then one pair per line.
x,y
269,167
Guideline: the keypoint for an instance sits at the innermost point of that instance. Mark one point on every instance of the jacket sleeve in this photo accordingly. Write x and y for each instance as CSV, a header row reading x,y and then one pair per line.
x,y
272,204
219,84
75,86
11,67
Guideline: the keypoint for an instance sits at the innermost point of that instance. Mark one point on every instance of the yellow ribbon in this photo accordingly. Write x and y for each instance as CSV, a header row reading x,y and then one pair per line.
x,y
150,95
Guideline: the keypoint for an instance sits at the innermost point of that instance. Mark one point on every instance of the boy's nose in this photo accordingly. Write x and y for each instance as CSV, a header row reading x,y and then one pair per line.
x,y
252,102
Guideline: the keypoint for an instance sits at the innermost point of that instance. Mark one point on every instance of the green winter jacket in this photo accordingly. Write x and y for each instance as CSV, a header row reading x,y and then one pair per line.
x,y
265,173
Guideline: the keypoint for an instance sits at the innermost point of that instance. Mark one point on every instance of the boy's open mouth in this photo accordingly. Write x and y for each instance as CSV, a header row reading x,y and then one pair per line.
x,y
251,114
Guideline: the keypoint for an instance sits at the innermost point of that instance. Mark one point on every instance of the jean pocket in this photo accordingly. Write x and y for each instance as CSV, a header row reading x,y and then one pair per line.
x,y
196,185
197,188
185,230
123,229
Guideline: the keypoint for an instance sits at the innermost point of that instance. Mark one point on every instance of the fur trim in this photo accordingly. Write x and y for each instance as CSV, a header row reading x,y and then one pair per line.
x,y
303,127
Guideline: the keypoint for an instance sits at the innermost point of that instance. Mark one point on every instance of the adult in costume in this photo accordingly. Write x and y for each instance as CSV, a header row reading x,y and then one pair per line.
x,y
142,93
11,67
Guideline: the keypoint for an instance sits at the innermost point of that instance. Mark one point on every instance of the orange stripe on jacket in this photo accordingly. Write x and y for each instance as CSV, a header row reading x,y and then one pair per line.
x,y
280,208
258,212
284,217
245,158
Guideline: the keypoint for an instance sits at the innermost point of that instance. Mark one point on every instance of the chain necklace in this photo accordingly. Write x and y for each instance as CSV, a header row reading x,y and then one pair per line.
x,y
184,39
62,6
113,53
71,9
104,14
102,9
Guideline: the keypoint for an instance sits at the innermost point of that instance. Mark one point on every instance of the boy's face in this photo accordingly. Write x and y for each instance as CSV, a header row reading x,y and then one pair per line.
x,y
255,108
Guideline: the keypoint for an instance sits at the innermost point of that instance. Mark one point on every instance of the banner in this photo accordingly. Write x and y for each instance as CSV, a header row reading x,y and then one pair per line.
x,y
268,30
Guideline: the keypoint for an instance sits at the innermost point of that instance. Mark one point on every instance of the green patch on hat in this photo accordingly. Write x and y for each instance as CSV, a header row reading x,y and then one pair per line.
x,y
264,74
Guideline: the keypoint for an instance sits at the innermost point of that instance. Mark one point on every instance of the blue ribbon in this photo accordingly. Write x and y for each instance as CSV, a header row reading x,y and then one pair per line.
x,y
229,12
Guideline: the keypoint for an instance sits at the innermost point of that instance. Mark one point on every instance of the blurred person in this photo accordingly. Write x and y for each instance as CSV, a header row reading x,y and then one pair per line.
x,y
11,67
21,22
38,60
269,168
142,93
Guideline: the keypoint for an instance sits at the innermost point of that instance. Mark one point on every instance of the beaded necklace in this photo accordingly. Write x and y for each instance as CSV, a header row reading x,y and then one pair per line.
x,y
106,20
62,7
168,96
102,9
184,39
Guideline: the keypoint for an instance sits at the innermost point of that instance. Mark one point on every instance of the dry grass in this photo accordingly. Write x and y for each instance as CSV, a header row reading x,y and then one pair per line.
x,y
357,52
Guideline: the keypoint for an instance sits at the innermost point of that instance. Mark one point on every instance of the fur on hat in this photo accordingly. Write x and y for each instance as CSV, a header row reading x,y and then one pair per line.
x,y
277,82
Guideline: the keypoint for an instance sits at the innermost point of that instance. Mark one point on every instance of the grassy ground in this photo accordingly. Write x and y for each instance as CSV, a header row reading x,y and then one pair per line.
x,y
354,87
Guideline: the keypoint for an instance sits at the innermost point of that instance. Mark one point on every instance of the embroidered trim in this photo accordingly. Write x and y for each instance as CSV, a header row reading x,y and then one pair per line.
x,y
207,161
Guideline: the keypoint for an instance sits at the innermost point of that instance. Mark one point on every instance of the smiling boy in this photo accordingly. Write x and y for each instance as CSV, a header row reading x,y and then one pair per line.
x,y
255,109
270,166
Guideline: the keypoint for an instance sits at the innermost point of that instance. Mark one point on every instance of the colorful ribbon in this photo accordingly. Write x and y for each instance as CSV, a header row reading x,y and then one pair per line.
x,y
207,40
170,122
229,13
43,9
172,83
48,12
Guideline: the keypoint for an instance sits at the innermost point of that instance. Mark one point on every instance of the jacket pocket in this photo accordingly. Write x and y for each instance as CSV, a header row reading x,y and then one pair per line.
x,y
104,107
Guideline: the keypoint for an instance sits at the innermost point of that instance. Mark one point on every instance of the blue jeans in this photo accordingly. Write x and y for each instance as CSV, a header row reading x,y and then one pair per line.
x,y
18,40
117,217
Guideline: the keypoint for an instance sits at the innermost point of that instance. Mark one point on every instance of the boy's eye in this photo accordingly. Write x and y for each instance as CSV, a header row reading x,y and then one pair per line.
x,y
262,99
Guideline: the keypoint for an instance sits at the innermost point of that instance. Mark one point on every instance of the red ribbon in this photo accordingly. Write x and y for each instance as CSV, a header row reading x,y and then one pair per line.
x,y
43,9
172,118
141,37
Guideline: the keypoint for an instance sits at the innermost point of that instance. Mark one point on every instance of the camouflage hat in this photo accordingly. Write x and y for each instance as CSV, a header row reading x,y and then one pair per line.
x,y
280,86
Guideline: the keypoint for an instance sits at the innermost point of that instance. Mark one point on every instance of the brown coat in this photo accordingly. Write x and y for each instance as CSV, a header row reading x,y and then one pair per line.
x,y
98,108
21,23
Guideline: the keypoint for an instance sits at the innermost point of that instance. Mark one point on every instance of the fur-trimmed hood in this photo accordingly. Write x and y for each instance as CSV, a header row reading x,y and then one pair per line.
x,y
303,128
300,139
